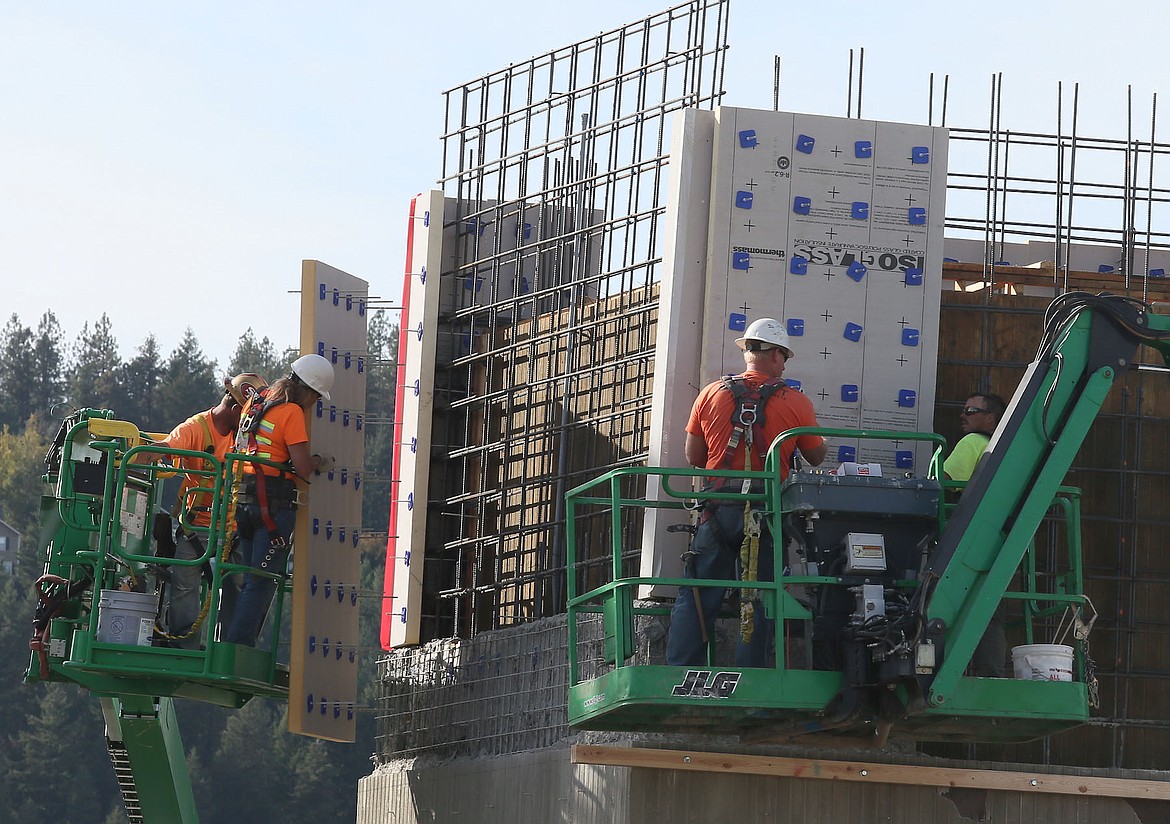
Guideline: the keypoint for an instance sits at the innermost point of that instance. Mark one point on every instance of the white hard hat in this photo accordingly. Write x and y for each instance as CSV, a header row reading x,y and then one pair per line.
x,y
314,372
766,330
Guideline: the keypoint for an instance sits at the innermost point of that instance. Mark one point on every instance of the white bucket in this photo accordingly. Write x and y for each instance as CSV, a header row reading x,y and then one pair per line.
x,y
126,617
1043,662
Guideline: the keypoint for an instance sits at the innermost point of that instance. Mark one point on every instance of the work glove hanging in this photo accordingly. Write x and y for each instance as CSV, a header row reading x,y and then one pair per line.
x,y
324,462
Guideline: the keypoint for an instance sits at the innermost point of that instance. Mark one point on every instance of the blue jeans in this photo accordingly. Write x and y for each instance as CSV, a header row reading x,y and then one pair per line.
x,y
257,552
717,543
185,596
229,592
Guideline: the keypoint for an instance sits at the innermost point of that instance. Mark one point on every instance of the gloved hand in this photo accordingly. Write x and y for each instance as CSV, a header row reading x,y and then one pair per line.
x,y
324,462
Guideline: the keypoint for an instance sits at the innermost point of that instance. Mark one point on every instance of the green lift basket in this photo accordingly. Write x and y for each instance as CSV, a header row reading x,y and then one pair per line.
x,y
614,686
99,598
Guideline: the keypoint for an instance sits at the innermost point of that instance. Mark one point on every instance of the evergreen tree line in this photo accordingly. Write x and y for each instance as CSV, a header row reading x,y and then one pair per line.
x,y
41,374
43,378
244,765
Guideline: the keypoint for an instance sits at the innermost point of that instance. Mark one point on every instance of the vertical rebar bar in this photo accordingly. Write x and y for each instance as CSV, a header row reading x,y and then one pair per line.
x,y
860,78
849,94
776,84
1128,198
1150,197
1072,185
1057,258
930,101
945,95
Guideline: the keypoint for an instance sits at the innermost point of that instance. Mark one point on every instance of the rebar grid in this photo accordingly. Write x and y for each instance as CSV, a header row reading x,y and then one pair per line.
x,y
500,692
1061,189
551,314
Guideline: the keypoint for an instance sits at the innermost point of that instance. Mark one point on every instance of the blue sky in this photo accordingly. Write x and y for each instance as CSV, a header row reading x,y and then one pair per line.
x,y
171,164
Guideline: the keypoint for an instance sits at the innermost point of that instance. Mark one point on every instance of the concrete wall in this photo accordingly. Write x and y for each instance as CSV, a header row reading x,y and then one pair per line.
x,y
475,731
546,788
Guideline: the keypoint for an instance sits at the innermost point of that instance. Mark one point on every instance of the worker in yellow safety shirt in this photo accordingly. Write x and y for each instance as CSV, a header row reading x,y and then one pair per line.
x,y
978,419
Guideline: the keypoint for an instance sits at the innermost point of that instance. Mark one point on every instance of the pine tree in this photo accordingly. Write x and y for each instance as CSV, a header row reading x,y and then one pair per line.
x,y
49,384
21,465
260,357
141,377
65,729
188,384
321,787
94,378
17,370
381,380
17,702
248,772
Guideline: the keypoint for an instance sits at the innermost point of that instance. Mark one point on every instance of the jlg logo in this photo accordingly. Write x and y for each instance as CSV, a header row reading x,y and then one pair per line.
x,y
702,684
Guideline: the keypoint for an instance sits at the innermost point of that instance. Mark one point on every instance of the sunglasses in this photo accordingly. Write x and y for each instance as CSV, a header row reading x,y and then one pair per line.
x,y
972,410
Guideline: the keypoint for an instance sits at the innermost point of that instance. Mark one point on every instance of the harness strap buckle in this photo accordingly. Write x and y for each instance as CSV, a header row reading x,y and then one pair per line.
x,y
752,524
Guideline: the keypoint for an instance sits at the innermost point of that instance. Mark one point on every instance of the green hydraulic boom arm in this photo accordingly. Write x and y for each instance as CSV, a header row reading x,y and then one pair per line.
x,y
142,736
1089,339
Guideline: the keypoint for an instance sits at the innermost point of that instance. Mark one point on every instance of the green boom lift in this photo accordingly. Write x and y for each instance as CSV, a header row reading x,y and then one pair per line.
x,y
902,581
99,597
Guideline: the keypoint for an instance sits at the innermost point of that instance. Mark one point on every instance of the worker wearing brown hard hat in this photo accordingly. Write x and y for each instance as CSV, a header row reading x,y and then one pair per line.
x,y
213,432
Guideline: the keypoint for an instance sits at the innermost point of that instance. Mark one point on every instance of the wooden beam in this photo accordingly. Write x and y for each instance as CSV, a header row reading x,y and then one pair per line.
x,y
1156,289
1030,782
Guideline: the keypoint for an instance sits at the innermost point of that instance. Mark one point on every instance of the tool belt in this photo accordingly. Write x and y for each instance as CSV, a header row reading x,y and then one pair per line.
x,y
734,486
281,493
708,507
707,511
181,532
270,494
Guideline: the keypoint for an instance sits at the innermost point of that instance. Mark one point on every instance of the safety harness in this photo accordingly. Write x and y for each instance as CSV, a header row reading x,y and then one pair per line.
x,y
747,427
747,420
284,490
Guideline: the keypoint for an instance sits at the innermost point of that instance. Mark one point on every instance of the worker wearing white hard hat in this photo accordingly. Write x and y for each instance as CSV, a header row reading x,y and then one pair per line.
x,y
764,334
720,436
766,351
274,429
314,372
